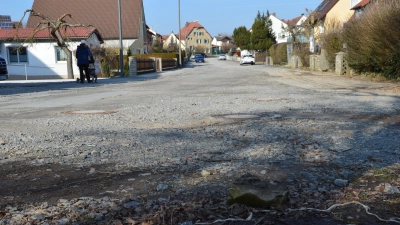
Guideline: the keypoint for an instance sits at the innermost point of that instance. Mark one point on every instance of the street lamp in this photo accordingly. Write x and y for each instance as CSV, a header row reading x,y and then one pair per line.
x,y
121,52
180,40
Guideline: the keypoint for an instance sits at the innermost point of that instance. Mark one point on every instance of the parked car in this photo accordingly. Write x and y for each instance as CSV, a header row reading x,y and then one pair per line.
x,y
222,57
203,54
199,58
247,59
192,57
3,69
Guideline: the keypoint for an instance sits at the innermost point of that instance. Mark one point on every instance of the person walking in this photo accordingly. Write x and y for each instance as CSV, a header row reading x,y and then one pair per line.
x,y
84,57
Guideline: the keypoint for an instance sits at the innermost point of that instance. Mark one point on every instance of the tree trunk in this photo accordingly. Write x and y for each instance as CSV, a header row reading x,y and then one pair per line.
x,y
69,63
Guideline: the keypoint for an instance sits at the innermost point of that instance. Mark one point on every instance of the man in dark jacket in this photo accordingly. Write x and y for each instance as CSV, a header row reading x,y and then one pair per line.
x,y
84,57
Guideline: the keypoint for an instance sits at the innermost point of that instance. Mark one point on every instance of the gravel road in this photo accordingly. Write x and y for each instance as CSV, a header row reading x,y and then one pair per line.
x,y
217,116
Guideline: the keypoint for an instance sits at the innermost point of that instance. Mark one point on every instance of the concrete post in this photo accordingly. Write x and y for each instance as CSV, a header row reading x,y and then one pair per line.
x,y
159,64
340,64
132,66
312,63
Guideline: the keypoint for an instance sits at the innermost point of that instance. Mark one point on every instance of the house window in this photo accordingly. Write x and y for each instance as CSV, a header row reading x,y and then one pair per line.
x,y
198,41
191,48
195,33
321,28
201,33
18,55
206,41
61,55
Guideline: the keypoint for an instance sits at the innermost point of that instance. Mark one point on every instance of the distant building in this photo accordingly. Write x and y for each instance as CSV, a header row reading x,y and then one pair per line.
x,y
7,23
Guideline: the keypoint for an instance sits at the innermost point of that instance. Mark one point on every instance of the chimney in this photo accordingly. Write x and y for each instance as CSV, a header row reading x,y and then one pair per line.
x,y
274,13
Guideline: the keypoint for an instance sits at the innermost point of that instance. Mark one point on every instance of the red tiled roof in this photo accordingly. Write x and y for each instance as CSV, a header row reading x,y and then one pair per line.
x,y
165,37
73,33
189,26
361,4
292,22
102,14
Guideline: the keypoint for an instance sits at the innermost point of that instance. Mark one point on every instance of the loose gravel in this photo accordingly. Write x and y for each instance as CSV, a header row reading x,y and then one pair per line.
x,y
216,117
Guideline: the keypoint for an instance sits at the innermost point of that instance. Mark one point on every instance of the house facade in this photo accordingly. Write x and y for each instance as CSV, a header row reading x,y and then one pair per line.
x,y
42,59
279,28
221,44
329,15
296,29
152,38
197,39
360,8
172,42
104,16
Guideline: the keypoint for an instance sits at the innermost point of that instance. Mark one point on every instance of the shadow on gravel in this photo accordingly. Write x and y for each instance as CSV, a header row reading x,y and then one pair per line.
x,y
307,161
11,88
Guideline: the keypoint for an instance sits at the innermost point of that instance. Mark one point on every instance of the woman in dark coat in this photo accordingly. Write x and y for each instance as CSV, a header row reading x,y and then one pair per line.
x,y
83,55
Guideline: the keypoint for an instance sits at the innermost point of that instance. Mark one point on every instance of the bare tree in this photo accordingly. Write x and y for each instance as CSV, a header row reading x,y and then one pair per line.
x,y
200,49
57,29
173,45
226,47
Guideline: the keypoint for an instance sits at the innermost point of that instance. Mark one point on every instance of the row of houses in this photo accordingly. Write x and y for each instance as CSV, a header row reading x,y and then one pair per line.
x,y
45,58
42,58
195,36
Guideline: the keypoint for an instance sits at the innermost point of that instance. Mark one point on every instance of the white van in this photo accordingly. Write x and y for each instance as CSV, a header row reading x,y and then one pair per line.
x,y
3,69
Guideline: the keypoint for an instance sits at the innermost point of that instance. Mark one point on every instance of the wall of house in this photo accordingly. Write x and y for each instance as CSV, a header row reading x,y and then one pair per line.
x,y
192,38
42,60
338,15
280,34
341,11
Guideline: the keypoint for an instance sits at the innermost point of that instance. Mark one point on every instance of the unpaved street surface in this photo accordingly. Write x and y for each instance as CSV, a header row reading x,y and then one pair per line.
x,y
165,148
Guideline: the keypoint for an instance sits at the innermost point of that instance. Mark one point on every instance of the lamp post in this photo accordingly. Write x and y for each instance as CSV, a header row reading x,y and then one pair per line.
x,y
180,40
121,52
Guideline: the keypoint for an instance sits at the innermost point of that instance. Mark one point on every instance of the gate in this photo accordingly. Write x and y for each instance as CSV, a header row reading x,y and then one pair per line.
x,y
260,57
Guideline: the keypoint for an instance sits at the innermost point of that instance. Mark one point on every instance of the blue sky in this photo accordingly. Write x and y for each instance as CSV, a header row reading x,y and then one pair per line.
x,y
217,16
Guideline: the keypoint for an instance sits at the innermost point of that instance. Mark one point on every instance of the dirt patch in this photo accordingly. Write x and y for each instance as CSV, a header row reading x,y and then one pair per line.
x,y
201,199
23,183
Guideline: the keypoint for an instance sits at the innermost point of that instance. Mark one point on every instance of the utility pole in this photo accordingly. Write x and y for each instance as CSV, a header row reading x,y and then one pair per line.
x,y
180,40
121,52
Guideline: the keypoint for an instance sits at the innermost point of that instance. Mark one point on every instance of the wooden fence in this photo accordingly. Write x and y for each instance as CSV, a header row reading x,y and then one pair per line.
x,y
144,64
168,63
260,57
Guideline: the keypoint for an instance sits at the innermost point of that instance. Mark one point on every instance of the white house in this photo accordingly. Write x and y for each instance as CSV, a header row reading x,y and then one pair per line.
x,y
279,28
296,27
42,58
221,41
172,38
104,16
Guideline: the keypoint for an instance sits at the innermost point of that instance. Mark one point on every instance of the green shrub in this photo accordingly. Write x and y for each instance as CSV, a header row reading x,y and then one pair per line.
x,y
126,68
332,42
105,68
303,51
278,53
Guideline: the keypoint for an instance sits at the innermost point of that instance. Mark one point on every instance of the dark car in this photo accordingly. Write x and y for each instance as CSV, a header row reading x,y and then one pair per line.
x,y
3,69
199,58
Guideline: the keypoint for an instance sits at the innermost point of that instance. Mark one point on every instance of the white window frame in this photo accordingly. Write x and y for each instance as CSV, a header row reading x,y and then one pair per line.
x,y
18,55
57,49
